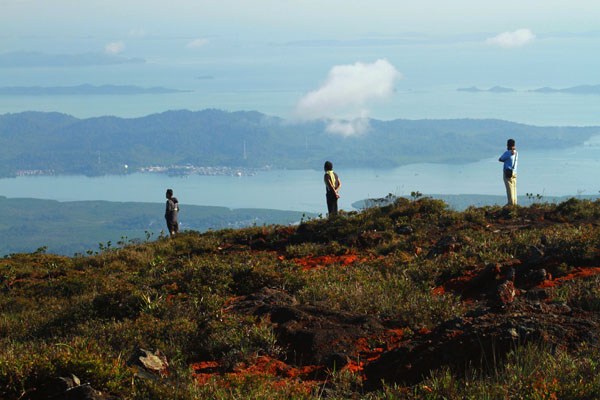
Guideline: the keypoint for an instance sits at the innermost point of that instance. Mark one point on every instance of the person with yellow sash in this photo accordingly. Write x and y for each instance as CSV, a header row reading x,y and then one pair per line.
x,y
332,186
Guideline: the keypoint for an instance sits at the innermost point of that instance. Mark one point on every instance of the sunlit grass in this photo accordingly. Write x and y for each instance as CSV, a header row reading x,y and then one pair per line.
x,y
87,315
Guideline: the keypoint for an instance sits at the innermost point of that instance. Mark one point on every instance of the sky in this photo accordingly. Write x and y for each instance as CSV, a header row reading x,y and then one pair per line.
x,y
292,18
341,58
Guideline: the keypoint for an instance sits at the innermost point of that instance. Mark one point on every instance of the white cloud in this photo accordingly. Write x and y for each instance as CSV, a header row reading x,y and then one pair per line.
x,y
197,43
344,97
137,33
114,48
518,38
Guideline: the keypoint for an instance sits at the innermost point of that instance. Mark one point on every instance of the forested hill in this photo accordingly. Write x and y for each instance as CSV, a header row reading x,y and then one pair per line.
x,y
61,144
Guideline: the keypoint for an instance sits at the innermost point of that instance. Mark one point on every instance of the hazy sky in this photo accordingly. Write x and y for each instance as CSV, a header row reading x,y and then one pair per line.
x,y
292,19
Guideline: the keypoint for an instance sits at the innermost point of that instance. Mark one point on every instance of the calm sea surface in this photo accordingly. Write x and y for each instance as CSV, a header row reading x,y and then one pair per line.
x,y
571,171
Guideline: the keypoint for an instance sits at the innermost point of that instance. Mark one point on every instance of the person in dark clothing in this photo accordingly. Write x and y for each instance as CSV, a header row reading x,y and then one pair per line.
x,y
172,213
332,187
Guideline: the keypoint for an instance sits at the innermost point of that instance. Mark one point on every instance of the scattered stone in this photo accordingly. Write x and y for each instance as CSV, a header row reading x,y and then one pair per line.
x,y
404,229
370,238
506,292
310,334
149,365
65,388
537,294
560,307
445,245
485,335
510,274
536,276
536,255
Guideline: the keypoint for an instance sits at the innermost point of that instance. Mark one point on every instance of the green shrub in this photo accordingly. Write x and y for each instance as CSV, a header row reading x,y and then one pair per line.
x,y
384,293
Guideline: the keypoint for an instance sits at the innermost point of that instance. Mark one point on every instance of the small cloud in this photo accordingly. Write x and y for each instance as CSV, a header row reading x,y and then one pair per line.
x,y
344,98
507,40
114,48
197,43
137,33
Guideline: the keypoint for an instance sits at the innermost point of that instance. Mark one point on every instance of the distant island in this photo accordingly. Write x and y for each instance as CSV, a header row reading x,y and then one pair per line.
x,y
182,142
85,90
31,59
580,89
495,89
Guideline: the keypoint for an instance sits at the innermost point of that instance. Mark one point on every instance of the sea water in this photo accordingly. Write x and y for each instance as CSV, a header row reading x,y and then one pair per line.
x,y
559,172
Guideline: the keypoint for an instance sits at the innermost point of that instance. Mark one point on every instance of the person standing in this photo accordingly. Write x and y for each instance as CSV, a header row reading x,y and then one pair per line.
x,y
510,159
172,213
332,187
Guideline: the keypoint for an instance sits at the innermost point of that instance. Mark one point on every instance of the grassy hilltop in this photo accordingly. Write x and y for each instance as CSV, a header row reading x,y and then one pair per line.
x,y
407,301
81,226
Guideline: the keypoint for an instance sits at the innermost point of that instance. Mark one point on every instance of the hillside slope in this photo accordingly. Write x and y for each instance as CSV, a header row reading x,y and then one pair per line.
x,y
409,301
80,226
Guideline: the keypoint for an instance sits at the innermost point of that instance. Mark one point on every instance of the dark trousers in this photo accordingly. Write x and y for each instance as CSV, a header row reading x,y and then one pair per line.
x,y
332,206
173,227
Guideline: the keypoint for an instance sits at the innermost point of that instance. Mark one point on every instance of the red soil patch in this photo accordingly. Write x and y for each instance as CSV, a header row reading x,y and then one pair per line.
x,y
456,285
265,365
261,366
370,349
309,263
577,273
205,370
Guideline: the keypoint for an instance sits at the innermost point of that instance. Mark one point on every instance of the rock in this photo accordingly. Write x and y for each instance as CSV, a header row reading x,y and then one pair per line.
x,y
478,337
445,245
311,334
370,238
536,255
536,276
537,294
560,307
505,292
404,229
149,365
510,274
65,388
84,392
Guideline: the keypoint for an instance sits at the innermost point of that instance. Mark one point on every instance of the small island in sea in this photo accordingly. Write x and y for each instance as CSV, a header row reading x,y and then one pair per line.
x,y
85,90
495,89
579,89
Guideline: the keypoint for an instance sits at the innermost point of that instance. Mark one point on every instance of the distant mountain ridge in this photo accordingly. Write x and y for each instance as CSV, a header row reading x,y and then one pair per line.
x,y
580,89
33,59
84,89
495,89
54,143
